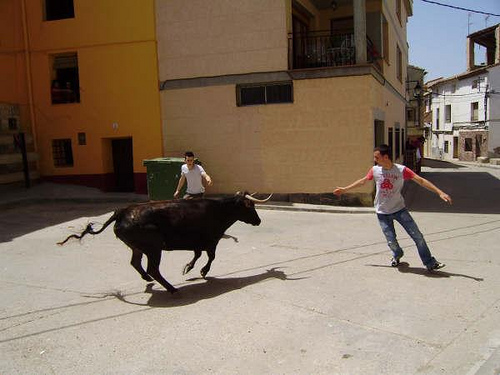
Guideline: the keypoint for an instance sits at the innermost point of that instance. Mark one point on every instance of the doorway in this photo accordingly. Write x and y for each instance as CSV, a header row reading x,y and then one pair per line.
x,y
455,147
123,164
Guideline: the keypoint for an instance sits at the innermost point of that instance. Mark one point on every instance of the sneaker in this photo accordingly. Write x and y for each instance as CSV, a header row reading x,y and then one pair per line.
x,y
395,260
435,266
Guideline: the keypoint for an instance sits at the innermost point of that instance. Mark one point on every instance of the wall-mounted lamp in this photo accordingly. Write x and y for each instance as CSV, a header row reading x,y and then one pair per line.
x,y
417,91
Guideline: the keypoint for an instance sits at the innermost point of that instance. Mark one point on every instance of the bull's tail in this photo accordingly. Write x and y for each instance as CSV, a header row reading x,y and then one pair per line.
x,y
89,229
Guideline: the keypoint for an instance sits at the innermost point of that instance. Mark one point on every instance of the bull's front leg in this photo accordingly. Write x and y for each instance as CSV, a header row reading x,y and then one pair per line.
x,y
211,257
154,258
188,267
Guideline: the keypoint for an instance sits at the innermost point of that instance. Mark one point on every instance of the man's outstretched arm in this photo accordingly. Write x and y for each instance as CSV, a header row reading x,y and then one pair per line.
x,y
355,184
430,186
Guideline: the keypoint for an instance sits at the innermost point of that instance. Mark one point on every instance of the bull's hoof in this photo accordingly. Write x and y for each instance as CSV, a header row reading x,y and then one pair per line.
x,y
173,290
188,267
147,278
203,273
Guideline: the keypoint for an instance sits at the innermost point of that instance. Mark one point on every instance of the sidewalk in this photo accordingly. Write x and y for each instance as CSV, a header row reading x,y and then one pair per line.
x,y
49,192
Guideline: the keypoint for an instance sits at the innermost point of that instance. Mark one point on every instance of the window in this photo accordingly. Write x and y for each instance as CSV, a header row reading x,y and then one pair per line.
x,y
446,147
475,84
403,143
399,62
13,123
474,111
59,10
65,86
447,113
468,144
264,94
398,141
62,152
82,139
427,105
410,114
437,118
385,35
398,10
391,141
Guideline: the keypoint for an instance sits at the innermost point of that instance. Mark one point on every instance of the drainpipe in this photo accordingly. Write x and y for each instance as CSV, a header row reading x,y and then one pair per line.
x,y
28,73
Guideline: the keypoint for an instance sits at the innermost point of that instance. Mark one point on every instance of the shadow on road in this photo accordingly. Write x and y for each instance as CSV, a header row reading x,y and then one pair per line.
x,y
404,267
24,219
212,287
472,192
431,163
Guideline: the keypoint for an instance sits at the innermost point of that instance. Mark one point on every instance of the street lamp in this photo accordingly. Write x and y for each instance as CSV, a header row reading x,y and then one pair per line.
x,y
417,91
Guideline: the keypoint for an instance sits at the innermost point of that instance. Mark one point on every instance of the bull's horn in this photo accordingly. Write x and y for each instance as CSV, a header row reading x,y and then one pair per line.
x,y
247,196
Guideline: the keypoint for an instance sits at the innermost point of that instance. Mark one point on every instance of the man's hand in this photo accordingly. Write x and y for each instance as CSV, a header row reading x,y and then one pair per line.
x,y
176,194
445,197
209,180
339,191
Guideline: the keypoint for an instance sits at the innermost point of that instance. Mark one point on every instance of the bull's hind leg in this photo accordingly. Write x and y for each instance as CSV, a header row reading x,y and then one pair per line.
x,y
206,268
154,258
188,267
136,263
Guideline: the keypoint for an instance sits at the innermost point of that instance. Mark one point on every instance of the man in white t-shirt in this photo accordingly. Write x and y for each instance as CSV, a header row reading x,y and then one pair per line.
x,y
193,174
389,203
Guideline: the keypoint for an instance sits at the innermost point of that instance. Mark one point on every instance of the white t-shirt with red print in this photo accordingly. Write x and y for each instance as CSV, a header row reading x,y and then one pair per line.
x,y
389,182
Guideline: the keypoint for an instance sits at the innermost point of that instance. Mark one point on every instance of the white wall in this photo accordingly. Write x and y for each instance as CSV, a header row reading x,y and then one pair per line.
x,y
494,112
460,95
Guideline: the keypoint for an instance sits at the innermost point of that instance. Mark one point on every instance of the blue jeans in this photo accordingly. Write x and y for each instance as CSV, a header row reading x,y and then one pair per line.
x,y
404,218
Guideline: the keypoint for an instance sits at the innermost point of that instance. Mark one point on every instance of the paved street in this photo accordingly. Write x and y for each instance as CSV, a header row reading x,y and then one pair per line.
x,y
304,293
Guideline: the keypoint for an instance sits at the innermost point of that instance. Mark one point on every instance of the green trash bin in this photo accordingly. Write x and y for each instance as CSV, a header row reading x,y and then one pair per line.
x,y
163,176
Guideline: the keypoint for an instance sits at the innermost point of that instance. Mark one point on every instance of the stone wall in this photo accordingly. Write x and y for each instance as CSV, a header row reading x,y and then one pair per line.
x,y
472,144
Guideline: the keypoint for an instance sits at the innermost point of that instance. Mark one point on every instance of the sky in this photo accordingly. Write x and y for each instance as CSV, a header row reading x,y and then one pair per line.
x,y
437,35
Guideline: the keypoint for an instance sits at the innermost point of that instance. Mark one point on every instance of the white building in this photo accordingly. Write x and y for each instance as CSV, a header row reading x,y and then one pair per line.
x,y
462,112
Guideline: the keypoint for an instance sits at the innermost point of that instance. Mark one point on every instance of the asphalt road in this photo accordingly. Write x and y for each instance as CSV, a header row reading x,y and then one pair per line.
x,y
304,293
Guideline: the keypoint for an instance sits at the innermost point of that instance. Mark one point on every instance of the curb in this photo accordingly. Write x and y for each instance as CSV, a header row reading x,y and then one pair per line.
x,y
303,207
272,206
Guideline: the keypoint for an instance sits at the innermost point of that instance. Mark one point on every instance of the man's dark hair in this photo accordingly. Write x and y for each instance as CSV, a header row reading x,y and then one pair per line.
x,y
384,150
188,154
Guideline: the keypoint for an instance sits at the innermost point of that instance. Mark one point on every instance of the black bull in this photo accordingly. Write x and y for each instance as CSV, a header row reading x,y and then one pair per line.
x,y
197,225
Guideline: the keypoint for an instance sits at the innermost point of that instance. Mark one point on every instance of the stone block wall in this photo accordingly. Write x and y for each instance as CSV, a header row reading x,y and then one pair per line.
x,y
472,144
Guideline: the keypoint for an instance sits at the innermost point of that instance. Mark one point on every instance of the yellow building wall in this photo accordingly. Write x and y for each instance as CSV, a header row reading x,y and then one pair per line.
x,y
13,88
304,146
117,62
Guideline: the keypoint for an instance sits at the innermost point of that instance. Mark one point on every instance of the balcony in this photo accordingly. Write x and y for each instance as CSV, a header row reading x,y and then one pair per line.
x,y
320,49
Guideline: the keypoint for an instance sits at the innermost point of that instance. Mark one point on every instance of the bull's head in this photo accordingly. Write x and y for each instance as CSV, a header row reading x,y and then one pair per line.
x,y
246,204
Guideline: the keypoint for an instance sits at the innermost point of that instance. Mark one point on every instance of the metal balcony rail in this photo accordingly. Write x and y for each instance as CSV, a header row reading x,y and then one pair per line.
x,y
318,49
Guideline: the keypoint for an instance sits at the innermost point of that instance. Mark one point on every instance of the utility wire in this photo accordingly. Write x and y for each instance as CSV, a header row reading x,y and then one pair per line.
x,y
455,7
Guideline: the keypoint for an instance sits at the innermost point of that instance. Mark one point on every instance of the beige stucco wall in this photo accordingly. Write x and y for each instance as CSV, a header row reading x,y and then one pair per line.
x,y
227,37
323,139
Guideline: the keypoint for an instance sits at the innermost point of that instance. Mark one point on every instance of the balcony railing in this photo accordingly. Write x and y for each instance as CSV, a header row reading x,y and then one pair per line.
x,y
320,49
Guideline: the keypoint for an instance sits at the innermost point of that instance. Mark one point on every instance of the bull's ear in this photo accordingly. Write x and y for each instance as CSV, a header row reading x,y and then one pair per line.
x,y
240,193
